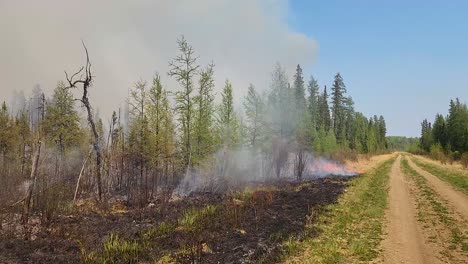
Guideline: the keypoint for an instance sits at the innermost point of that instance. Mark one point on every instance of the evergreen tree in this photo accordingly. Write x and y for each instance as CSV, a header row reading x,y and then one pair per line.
x,y
299,92
457,126
161,126
339,108
372,144
279,105
183,68
382,132
61,124
439,130
227,120
255,114
313,102
203,117
324,119
426,135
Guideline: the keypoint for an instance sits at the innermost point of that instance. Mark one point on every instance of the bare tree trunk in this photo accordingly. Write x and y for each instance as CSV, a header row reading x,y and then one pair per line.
x,y
32,179
86,82
79,176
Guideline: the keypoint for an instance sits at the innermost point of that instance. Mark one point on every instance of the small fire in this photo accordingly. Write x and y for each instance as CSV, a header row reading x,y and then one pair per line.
x,y
321,167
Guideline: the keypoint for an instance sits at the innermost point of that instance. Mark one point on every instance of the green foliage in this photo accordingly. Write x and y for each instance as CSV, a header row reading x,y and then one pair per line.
x,y
160,124
324,118
115,250
194,220
437,153
255,117
203,122
61,124
338,107
313,102
184,67
398,143
228,123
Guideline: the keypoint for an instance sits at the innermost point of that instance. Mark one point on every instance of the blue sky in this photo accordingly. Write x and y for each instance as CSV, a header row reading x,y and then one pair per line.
x,y
401,59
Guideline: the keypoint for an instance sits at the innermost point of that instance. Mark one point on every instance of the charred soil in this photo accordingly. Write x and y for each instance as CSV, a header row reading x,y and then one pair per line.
x,y
240,227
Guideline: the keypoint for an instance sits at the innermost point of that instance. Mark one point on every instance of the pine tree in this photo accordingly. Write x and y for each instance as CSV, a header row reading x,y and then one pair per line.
x,y
203,117
382,132
279,104
426,135
255,114
338,107
299,92
61,124
183,68
227,120
139,132
372,144
324,119
313,102
439,131
161,130
457,126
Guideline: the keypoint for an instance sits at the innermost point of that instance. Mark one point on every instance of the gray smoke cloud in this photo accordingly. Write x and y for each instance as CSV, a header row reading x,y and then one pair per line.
x,y
129,40
237,168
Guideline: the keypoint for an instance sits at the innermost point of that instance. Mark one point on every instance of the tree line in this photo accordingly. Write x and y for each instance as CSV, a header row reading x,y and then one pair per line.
x,y
447,137
148,146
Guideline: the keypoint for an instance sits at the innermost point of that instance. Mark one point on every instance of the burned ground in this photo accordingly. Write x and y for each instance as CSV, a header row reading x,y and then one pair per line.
x,y
240,227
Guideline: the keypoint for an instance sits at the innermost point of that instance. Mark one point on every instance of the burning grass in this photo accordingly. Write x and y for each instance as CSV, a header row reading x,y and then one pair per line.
x,y
249,226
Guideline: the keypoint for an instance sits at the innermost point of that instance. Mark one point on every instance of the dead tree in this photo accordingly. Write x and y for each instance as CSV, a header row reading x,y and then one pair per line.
x,y
35,164
85,79
32,181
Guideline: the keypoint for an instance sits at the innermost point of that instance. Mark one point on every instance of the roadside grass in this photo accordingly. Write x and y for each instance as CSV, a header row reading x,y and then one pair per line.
x,y
432,211
350,231
456,178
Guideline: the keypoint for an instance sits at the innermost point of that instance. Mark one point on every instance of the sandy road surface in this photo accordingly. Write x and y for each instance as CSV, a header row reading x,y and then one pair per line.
x,y
457,199
404,242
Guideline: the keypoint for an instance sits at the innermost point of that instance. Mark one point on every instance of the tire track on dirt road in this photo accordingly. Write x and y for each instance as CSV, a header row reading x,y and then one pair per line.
x,y
457,199
404,241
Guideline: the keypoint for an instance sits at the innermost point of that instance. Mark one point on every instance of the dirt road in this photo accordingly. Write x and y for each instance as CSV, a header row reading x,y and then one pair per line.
x,y
457,199
404,242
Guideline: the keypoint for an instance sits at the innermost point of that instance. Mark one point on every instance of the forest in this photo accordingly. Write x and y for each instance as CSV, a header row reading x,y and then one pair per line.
x,y
58,154
446,138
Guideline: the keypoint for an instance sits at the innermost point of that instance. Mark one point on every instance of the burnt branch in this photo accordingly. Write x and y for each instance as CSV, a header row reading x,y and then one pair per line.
x,y
85,82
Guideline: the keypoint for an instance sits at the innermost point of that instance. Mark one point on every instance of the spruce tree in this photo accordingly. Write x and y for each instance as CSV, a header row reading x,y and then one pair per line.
x,y
338,108
324,119
299,91
61,124
439,130
313,102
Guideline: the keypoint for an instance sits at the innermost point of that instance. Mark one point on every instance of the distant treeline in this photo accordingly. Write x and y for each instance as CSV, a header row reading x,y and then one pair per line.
x,y
447,137
148,146
398,143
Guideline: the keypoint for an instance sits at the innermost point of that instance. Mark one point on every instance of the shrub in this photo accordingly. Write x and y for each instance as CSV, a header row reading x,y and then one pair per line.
x,y
456,155
464,160
437,153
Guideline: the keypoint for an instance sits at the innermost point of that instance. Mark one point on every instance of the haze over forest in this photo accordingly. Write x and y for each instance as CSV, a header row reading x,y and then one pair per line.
x,y
382,51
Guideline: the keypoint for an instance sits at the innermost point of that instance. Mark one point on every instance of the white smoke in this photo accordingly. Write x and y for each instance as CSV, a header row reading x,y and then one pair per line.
x,y
230,169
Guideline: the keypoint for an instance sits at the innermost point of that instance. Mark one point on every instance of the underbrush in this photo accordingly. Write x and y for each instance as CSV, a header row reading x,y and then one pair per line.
x,y
349,231
456,178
